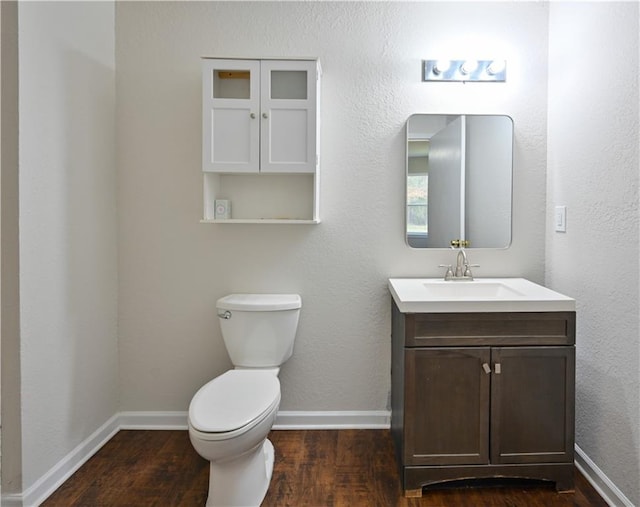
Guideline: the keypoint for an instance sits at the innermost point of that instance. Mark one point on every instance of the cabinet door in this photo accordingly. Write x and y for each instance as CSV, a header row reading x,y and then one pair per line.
x,y
446,406
532,409
231,109
288,116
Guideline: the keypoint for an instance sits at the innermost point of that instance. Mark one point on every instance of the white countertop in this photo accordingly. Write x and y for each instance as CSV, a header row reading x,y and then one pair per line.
x,y
435,295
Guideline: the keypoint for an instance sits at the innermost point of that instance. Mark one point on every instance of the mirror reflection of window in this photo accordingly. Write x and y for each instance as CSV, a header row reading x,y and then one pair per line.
x,y
417,189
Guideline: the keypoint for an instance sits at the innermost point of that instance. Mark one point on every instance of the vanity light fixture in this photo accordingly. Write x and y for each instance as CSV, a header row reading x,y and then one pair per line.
x,y
464,70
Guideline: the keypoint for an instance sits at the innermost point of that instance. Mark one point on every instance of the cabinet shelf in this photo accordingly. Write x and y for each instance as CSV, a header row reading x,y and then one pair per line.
x,y
262,198
292,221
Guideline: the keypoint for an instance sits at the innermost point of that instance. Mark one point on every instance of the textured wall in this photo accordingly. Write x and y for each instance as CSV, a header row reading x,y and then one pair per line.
x,y
68,268
593,170
172,268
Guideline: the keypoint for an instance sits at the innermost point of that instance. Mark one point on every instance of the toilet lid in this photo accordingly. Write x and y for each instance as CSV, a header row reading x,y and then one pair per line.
x,y
259,302
233,400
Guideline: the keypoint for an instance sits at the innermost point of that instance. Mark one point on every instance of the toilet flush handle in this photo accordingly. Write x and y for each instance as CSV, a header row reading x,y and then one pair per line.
x,y
226,315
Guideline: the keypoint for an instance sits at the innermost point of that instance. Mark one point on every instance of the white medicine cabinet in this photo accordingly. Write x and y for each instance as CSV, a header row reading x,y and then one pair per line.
x,y
260,125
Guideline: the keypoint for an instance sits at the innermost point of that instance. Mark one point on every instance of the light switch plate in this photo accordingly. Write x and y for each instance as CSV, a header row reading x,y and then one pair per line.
x,y
560,219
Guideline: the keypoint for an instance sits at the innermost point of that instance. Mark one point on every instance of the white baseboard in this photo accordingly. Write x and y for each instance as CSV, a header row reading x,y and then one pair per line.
x,y
53,479
286,420
602,484
334,420
153,420
12,500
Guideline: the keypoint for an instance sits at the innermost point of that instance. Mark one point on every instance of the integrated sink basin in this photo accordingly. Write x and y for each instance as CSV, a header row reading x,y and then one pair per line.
x,y
435,295
474,289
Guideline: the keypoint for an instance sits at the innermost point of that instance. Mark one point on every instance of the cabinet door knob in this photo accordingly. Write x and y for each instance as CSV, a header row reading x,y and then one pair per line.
x,y
498,368
486,368
252,115
265,115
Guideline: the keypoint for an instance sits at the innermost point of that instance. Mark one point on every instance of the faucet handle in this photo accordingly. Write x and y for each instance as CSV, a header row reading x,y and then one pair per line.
x,y
467,269
449,274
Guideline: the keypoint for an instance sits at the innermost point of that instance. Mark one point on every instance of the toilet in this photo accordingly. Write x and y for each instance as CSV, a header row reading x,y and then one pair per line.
x,y
231,415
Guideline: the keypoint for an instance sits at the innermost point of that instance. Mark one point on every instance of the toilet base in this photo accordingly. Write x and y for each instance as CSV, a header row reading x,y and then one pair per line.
x,y
244,481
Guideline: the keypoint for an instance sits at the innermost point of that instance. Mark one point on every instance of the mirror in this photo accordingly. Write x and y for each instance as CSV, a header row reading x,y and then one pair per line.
x,y
459,172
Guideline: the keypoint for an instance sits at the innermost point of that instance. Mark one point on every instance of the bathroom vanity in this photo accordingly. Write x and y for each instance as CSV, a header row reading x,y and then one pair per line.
x,y
483,381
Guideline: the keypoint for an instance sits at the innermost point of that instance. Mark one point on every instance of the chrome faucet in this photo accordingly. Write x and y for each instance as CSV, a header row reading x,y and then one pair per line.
x,y
462,264
463,268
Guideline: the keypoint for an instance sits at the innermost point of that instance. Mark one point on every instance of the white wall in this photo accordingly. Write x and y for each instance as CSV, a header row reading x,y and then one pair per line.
x,y
593,170
172,268
68,263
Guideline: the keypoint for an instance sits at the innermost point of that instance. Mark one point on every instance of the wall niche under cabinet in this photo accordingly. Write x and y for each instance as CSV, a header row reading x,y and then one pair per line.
x,y
262,198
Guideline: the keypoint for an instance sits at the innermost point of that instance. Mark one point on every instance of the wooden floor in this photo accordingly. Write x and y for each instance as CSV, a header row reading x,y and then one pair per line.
x,y
312,468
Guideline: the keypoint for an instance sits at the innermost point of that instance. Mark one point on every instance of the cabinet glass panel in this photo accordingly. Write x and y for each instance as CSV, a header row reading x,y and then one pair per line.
x,y
231,84
289,84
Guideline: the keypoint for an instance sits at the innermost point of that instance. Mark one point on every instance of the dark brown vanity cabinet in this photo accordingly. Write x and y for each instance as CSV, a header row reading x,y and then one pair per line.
x,y
479,395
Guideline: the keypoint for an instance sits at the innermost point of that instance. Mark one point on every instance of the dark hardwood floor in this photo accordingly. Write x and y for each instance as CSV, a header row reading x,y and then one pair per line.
x,y
313,468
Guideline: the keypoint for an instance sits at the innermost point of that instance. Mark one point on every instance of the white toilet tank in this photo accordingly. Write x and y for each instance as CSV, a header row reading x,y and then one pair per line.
x,y
259,329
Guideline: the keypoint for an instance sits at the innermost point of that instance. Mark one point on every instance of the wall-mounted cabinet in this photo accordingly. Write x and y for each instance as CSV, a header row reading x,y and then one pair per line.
x,y
261,139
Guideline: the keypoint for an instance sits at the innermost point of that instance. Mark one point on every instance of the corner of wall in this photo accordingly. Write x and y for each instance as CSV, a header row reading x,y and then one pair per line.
x,y
11,464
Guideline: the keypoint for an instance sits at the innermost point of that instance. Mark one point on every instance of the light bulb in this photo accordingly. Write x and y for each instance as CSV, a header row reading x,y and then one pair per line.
x,y
469,66
496,67
441,66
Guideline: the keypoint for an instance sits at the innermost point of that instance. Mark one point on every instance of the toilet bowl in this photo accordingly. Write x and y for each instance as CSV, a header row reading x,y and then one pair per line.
x,y
229,420
230,416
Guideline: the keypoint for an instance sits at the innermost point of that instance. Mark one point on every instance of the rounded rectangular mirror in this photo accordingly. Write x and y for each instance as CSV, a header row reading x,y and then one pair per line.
x,y
459,173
